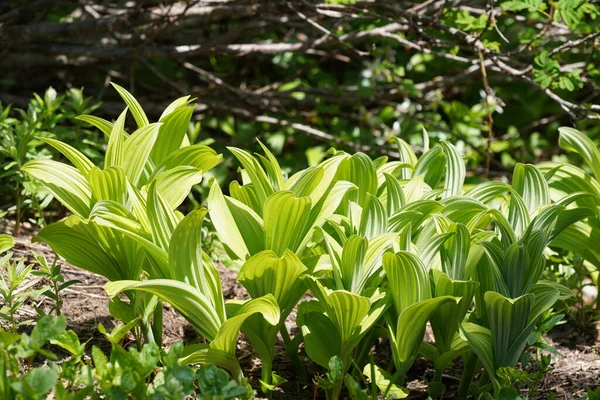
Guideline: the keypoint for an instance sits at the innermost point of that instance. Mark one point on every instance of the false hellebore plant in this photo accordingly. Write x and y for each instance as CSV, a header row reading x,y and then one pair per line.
x,y
384,247
124,213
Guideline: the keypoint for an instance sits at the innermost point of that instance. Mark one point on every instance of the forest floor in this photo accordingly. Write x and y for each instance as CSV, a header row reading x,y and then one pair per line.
x,y
575,368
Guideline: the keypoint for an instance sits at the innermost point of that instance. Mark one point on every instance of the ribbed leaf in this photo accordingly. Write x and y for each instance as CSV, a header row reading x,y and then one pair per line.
x,y
192,304
266,273
446,320
273,169
256,174
175,105
103,125
373,220
201,157
174,185
238,226
76,242
360,170
411,326
161,217
227,336
529,182
455,171
6,243
80,161
480,340
431,167
321,338
137,149
136,110
116,143
188,263
408,279
108,184
285,221
171,133
406,155
508,319
66,183
572,140
394,194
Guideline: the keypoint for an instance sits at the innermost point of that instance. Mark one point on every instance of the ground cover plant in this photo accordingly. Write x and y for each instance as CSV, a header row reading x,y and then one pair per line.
x,y
346,267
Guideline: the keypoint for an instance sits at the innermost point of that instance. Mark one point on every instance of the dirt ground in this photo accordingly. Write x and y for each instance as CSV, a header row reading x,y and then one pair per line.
x,y
574,370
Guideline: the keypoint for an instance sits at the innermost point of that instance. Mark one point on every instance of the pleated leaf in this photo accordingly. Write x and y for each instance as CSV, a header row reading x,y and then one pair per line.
x,y
266,273
66,183
136,110
286,221
78,159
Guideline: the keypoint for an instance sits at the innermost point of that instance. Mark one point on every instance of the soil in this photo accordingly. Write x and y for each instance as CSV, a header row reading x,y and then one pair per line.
x,y
574,370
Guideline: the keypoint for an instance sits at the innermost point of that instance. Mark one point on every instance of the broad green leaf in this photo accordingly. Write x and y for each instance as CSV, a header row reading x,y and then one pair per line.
x,y
573,140
76,242
406,155
480,340
373,219
137,149
508,319
285,221
455,171
66,183
238,226
321,338
80,161
108,184
273,169
175,184
256,174
411,326
201,157
192,304
136,110
227,336
6,243
359,170
170,136
161,217
175,105
103,125
384,381
188,263
266,273
115,150
408,279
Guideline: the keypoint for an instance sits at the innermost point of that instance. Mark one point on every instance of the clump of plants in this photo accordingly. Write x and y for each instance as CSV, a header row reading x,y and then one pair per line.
x,y
384,247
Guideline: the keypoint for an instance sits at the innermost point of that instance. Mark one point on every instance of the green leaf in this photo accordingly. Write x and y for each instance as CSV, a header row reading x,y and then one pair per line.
x,y
80,161
237,225
192,304
116,142
103,125
174,185
410,328
455,171
136,110
170,136
6,243
321,338
285,221
266,273
66,183
108,184
384,382
136,150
